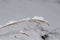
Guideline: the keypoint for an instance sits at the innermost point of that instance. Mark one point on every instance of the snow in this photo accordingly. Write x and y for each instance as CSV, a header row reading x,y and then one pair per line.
x,y
26,8
36,17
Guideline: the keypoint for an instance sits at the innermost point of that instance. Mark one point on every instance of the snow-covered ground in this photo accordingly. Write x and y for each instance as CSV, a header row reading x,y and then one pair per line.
x,y
17,9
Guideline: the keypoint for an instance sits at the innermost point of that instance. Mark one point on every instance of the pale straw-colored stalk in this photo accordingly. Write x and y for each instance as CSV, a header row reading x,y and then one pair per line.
x,y
35,19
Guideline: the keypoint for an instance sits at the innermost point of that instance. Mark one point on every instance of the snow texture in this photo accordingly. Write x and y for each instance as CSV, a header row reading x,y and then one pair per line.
x,y
27,7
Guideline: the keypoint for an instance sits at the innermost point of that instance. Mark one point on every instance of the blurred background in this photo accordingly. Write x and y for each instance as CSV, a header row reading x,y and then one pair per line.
x,y
18,9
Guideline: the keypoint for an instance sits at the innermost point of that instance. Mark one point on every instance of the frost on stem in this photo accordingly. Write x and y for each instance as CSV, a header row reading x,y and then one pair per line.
x,y
35,19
